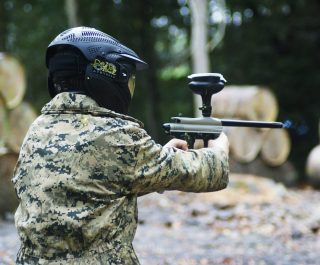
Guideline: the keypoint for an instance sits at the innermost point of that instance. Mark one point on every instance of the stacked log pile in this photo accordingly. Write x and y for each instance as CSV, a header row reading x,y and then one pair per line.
x,y
264,147
16,117
313,165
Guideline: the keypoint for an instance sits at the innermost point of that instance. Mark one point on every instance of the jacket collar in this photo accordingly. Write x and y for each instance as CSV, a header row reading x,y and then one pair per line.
x,y
67,102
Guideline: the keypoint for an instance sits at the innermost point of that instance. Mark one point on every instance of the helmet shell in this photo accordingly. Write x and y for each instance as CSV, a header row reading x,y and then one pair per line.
x,y
92,43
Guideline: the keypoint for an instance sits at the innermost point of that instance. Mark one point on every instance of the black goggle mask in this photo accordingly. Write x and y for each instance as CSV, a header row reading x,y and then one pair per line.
x,y
110,69
110,81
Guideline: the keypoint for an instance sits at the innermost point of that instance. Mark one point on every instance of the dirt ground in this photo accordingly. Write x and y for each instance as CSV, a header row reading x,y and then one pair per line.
x,y
253,221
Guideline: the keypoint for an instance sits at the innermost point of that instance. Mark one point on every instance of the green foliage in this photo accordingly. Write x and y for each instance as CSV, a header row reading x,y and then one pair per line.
x,y
177,72
30,29
277,45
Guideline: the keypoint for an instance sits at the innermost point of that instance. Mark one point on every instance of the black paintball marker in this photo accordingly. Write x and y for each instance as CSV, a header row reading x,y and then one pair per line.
x,y
206,127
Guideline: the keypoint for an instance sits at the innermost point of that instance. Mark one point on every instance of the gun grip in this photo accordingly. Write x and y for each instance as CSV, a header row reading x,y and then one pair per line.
x,y
190,141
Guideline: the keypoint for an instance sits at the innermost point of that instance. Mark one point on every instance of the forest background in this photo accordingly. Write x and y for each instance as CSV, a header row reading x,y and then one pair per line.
x,y
266,42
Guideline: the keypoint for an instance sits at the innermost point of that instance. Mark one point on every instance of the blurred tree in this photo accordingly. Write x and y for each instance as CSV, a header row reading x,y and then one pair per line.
x,y
199,40
71,7
133,23
30,27
276,43
3,27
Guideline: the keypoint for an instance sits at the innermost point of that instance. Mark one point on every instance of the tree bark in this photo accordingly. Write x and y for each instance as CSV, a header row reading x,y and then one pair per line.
x,y
71,7
150,80
221,27
199,39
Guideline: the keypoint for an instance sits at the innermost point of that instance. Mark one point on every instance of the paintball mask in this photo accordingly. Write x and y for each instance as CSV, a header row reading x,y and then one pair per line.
x,y
104,69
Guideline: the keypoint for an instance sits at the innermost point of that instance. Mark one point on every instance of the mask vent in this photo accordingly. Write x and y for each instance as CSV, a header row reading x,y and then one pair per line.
x,y
94,50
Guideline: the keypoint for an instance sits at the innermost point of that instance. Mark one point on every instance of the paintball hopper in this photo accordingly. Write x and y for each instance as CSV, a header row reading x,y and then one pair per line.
x,y
205,85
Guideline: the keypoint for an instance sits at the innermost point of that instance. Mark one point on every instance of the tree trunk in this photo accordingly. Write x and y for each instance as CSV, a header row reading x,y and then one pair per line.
x,y
150,81
199,51
71,7
221,25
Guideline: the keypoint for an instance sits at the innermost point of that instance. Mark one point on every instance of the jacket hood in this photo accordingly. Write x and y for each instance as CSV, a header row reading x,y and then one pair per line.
x,y
68,102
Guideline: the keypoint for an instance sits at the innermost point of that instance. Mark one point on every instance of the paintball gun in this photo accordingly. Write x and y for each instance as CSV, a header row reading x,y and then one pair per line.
x,y
206,127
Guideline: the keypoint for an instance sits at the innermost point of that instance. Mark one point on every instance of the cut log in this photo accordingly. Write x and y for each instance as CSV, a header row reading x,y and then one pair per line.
x,y
313,166
3,123
12,80
20,119
276,147
245,143
245,102
8,198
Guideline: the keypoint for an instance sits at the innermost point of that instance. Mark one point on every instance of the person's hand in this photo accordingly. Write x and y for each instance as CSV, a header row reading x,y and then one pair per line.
x,y
177,143
221,142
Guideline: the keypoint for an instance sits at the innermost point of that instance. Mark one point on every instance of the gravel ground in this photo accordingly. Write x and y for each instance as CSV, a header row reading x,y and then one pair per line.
x,y
254,221
9,242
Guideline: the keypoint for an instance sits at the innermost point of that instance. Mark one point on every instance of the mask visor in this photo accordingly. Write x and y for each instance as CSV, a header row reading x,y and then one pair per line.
x,y
132,84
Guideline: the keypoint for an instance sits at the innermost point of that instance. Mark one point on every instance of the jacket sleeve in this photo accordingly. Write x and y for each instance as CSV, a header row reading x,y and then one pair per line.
x,y
161,168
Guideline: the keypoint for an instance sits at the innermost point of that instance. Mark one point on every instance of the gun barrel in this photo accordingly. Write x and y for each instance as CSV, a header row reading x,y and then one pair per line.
x,y
192,128
256,124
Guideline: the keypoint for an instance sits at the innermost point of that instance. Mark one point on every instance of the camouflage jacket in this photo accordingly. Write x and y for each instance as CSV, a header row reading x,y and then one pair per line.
x,y
80,170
